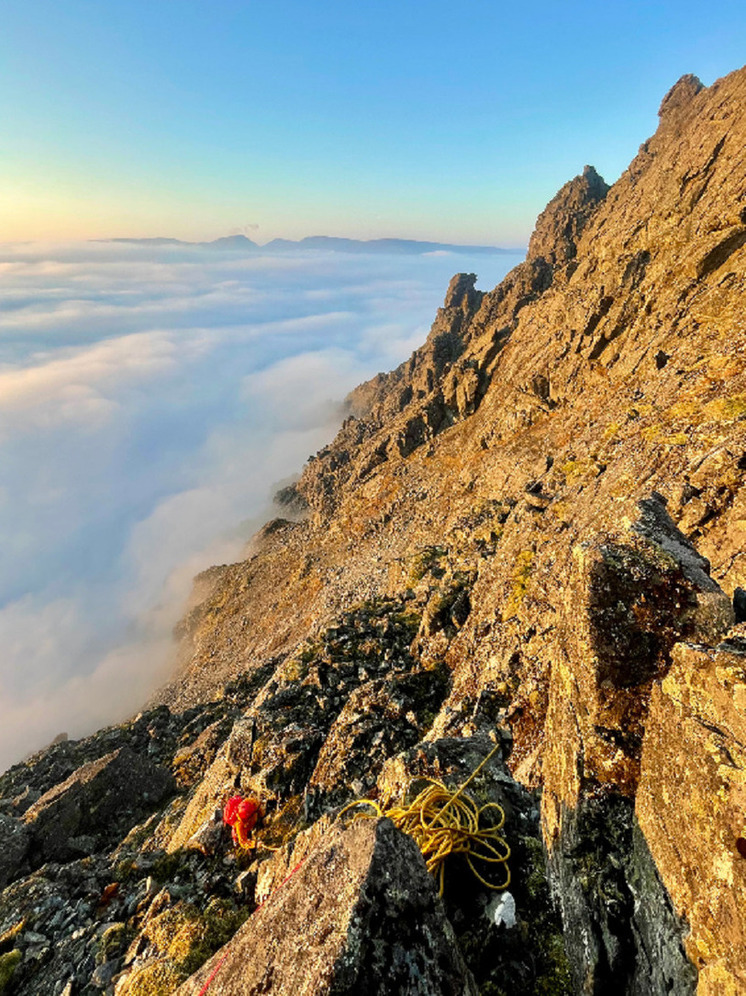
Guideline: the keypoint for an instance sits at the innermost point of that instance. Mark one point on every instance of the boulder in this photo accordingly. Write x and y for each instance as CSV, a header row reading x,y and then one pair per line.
x,y
631,597
360,916
98,799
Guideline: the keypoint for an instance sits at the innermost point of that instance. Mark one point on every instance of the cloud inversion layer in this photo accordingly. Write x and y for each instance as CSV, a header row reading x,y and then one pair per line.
x,y
149,401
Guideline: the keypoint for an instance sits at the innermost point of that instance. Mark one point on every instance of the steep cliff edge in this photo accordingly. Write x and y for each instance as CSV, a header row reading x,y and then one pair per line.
x,y
530,533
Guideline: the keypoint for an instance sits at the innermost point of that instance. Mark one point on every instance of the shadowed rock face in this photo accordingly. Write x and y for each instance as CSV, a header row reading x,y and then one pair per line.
x,y
16,842
99,798
628,601
529,532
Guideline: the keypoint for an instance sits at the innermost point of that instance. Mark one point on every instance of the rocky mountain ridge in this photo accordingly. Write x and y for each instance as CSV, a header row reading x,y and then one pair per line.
x,y
530,534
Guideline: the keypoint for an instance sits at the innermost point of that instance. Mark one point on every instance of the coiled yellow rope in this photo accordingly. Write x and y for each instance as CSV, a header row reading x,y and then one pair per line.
x,y
443,822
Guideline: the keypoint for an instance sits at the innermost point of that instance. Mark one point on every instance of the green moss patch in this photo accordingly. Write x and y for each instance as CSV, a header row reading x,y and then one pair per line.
x,y
8,964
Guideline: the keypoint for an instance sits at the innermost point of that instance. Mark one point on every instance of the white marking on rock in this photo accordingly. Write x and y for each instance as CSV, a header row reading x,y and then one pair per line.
x,y
501,910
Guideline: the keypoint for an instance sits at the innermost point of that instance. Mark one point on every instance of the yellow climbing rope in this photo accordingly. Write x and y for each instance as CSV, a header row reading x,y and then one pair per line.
x,y
443,822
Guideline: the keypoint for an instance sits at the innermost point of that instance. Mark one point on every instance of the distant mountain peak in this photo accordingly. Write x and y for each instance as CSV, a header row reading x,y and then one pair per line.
x,y
327,243
232,242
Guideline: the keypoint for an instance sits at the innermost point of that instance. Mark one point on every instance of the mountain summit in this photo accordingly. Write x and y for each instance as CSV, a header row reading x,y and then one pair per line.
x,y
522,560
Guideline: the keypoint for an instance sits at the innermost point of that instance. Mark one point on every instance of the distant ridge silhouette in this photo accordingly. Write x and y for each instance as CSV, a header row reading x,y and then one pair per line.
x,y
327,243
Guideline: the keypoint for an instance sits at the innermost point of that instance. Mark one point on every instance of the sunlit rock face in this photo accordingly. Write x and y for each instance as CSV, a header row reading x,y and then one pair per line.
x,y
693,763
521,549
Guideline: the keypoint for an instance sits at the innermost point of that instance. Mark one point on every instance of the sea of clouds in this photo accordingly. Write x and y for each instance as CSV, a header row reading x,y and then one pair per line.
x,y
151,401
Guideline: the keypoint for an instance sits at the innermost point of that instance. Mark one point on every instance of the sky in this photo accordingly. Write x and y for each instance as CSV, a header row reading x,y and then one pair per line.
x,y
151,403
416,118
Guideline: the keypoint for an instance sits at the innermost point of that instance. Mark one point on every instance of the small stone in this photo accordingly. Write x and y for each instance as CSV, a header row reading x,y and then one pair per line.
x,y
209,836
103,974
245,882
31,937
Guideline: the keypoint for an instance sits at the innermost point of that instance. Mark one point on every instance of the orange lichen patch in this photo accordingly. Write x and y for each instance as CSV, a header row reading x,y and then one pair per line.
x,y
611,432
578,470
690,806
651,433
688,408
154,978
284,824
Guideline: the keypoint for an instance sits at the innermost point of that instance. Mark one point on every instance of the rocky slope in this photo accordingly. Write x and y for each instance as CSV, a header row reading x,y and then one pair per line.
x,y
531,535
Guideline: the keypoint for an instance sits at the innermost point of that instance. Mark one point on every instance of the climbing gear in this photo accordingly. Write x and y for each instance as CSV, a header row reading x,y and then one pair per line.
x,y
242,815
443,822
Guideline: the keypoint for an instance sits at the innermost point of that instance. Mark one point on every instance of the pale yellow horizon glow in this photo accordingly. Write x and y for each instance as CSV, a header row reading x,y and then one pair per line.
x,y
30,213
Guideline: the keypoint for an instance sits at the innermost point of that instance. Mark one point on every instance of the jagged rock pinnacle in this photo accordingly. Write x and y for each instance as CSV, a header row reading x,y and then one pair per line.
x,y
461,292
680,94
561,223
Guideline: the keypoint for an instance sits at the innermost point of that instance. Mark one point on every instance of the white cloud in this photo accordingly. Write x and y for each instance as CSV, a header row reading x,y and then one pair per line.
x,y
150,400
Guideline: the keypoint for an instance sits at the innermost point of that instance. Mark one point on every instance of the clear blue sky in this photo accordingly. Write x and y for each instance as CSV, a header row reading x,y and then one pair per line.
x,y
420,118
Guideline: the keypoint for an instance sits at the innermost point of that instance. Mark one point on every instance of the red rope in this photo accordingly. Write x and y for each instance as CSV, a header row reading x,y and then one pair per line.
x,y
211,976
